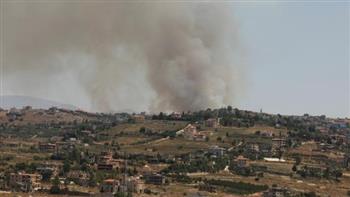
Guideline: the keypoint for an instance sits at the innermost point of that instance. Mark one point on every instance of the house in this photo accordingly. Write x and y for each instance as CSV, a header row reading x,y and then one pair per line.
x,y
73,140
241,162
189,131
86,132
212,123
176,116
199,137
79,177
267,134
53,110
10,144
105,166
146,169
106,162
216,151
272,159
3,115
276,192
254,147
135,184
105,157
110,186
207,188
339,124
322,129
65,146
278,144
44,170
90,158
110,164
265,149
14,114
47,147
138,118
192,156
155,179
24,182
338,139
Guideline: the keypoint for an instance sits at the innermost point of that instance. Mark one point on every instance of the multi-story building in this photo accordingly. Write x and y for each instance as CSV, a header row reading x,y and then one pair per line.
x,y
79,177
110,186
135,184
276,192
189,132
212,122
216,151
24,182
47,147
241,162
278,144
156,179
106,162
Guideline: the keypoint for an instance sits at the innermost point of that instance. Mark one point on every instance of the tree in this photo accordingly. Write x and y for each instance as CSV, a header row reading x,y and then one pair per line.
x,y
161,116
66,166
92,180
20,166
142,130
120,194
147,191
46,175
55,188
297,160
74,155
32,167
311,194
337,173
326,173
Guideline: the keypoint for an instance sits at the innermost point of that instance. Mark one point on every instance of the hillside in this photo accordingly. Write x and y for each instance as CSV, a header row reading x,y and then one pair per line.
x,y
11,101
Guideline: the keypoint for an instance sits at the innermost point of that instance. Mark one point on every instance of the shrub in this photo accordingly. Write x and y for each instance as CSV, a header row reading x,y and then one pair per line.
x,y
238,187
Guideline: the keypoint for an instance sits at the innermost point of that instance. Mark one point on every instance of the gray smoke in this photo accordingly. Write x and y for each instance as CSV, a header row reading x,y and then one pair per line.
x,y
114,56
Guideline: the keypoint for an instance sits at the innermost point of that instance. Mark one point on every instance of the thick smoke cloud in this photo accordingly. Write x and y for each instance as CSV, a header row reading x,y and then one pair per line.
x,y
116,56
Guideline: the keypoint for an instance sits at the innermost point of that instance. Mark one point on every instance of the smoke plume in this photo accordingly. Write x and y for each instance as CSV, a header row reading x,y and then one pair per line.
x,y
116,56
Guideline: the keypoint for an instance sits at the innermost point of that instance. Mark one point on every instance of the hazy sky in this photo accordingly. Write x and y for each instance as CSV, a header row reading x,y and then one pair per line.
x,y
298,57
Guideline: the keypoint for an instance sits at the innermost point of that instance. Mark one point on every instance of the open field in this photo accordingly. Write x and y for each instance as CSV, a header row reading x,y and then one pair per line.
x,y
155,126
321,186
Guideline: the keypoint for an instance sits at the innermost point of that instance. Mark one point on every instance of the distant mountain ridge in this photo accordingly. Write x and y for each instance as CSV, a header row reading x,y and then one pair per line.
x,y
10,101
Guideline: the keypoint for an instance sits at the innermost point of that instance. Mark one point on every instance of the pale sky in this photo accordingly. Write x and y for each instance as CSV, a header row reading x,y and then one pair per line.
x,y
298,57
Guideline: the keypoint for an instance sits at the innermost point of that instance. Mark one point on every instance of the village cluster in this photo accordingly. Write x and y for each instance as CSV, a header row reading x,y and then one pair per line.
x,y
212,152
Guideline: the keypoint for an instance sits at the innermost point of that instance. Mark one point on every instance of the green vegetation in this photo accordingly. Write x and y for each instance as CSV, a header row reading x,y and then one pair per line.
x,y
238,187
55,188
